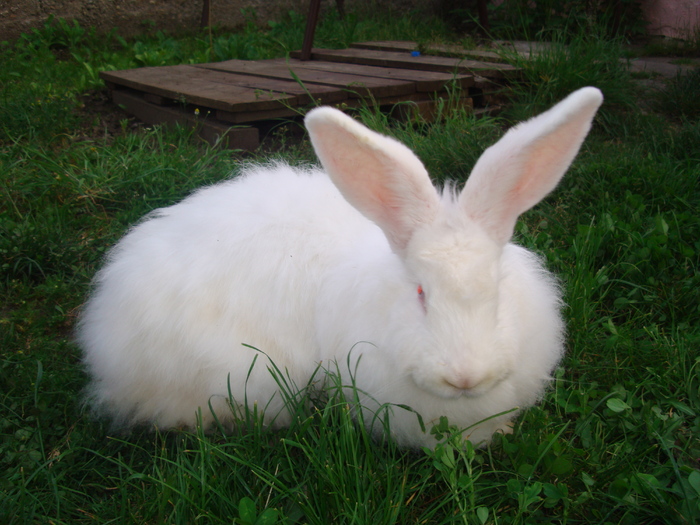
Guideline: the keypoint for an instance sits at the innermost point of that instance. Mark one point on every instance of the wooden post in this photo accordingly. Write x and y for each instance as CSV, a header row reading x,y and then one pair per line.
x,y
206,14
483,15
314,7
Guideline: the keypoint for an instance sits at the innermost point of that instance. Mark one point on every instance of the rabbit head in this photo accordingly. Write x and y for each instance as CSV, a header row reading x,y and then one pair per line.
x,y
483,320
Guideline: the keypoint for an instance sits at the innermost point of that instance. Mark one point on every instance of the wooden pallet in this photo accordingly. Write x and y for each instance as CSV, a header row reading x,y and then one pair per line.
x,y
487,55
227,101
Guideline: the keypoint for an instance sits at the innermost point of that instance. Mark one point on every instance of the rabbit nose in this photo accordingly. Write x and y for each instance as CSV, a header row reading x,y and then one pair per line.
x,y
466,381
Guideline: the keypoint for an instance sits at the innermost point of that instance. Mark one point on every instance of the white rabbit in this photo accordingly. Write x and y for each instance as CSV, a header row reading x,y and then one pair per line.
x,y
417,294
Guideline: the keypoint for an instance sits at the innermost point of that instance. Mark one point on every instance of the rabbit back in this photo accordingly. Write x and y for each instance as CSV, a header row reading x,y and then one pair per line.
x,y
235,264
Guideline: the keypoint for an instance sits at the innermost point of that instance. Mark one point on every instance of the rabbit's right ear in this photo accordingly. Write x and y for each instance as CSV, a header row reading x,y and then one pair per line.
x,y
527,163
379,176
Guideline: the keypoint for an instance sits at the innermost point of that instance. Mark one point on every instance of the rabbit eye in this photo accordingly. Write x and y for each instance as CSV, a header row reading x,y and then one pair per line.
x,y
421,297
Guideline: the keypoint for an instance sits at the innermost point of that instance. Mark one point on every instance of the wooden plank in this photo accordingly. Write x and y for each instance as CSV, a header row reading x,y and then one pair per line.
x,y
219,90
245,138
405,60
424,81
306,94
388,45
194,88
357,85
431,49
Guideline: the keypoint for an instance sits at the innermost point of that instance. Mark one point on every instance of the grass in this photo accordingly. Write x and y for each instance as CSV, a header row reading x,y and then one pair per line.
x,y
681,97
568,62
614,441
684,48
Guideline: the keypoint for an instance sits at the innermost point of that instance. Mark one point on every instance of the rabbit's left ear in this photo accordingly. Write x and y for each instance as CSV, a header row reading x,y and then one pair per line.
x,y
527,163
379,176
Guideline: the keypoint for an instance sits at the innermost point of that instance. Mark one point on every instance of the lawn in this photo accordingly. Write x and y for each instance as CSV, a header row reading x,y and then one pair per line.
x,y
617,437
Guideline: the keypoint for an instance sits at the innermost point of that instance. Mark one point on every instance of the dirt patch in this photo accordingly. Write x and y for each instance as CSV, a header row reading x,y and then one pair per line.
x,y
101,119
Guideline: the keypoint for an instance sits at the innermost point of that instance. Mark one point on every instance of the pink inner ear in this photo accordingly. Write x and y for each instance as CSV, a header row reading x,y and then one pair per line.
x,y
524,166
379,176
551,154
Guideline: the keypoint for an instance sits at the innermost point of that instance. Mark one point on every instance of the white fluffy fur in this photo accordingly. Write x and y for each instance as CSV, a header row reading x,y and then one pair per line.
x,y
282,260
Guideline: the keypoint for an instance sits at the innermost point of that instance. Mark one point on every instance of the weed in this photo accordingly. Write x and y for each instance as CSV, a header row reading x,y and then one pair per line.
x,y
566,63
522,19
687,47
681,96
59,33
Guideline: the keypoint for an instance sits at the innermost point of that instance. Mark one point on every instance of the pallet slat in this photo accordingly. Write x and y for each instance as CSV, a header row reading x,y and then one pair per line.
x,y
346,75
425,81
354,84
406,61
219,90
178,83
432,49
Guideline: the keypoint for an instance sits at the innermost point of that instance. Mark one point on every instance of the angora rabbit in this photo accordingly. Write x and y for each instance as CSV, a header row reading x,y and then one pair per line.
x,y
417,295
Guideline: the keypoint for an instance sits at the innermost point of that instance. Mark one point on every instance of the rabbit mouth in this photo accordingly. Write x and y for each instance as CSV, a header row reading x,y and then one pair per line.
x,y
473,392
451,388
471,385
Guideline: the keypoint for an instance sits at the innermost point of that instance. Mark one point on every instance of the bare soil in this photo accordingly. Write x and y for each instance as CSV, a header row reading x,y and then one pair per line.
x,y
100,118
